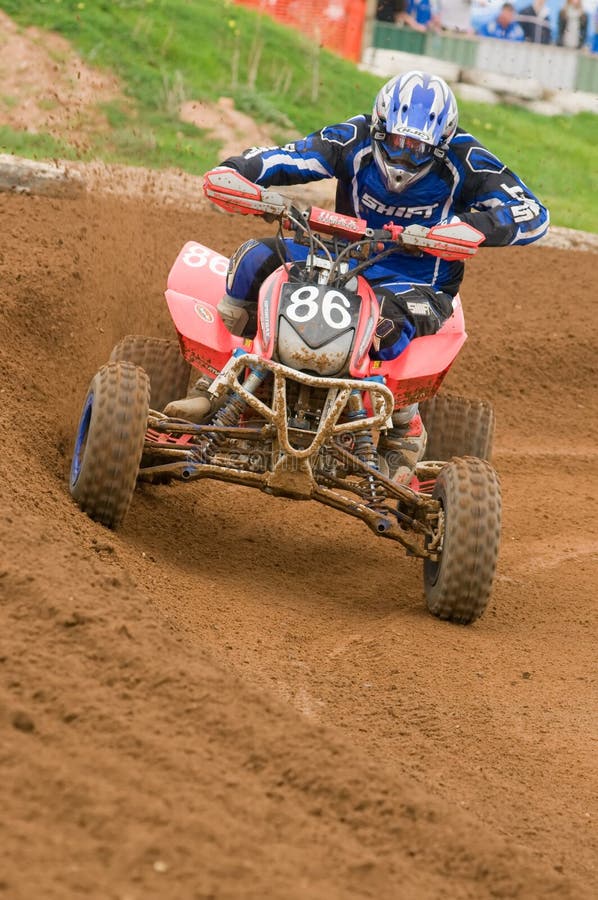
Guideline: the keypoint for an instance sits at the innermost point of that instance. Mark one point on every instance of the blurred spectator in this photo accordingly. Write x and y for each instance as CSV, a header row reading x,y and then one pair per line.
x,y
389,10
535,21
573,25
397,12
505,26
455,15
424,15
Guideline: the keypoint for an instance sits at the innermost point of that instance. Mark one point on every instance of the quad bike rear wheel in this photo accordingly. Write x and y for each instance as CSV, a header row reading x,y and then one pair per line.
x,y
168,372
457,587
109,442
458,426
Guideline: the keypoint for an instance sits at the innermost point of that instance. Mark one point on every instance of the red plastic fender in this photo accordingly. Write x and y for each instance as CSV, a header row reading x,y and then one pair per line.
x,y
419,370
199,272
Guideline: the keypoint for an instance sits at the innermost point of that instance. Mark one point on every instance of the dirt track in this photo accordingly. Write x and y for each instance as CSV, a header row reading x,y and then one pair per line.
x,y
237,696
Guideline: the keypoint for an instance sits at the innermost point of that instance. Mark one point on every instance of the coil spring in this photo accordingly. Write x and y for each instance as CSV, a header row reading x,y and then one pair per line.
x,y
364,447
229,414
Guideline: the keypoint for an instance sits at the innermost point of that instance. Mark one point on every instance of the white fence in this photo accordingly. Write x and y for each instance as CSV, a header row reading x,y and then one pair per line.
x,y
556,68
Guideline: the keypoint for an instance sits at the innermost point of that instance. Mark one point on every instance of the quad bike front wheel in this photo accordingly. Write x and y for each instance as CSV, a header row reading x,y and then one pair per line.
x,y
457,587
458,426
109,442
168,372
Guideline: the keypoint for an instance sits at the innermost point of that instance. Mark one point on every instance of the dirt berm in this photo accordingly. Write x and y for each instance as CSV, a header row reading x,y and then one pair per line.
x,y
241,697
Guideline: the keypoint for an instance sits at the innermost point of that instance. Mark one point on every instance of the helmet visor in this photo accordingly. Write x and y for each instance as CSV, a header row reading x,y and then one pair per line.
x,y
406,151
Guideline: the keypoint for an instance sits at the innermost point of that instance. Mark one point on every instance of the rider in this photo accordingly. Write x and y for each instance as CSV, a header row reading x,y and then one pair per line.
x,y
408,163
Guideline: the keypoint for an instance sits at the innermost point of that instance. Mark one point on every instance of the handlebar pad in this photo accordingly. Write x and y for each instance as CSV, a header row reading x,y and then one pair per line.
x,y
453,241
232,192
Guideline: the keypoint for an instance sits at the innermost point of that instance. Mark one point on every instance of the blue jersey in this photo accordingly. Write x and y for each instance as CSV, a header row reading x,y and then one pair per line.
x,y
466,181
512,32
421,10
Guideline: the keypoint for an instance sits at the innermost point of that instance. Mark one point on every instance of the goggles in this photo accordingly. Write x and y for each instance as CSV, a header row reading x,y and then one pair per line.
x,y
406,151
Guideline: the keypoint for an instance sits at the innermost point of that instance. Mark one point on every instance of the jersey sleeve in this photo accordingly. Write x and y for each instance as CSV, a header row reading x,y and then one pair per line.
x,y
320,155
495,200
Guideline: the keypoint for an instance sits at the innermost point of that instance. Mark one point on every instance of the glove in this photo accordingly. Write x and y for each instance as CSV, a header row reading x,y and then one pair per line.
x,y
391,336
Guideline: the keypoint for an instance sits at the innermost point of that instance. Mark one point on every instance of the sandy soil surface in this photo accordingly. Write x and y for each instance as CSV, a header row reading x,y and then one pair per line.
x,y
239,696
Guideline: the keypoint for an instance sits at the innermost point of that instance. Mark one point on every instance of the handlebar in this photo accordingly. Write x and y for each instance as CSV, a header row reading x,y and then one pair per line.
x,y
232,192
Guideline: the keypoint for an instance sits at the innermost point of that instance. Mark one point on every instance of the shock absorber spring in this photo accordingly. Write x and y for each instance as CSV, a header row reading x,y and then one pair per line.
x,y
364,446
229,414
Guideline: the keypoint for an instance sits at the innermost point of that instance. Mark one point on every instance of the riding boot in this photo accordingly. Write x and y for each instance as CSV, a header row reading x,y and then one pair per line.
x,y
196,406
238,315
403,445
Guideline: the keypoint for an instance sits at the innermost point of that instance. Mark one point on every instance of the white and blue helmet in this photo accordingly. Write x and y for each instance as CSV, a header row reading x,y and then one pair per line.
x,y
414,115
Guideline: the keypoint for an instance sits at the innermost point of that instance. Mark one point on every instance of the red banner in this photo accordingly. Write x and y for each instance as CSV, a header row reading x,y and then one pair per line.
x,y
334,24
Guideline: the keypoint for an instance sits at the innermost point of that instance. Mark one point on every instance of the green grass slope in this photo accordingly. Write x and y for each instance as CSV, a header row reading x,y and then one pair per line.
x,y
166,51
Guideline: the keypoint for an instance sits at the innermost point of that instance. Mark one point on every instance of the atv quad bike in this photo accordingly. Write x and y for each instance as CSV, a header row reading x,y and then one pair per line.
x,y
298,409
